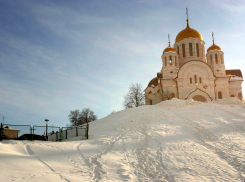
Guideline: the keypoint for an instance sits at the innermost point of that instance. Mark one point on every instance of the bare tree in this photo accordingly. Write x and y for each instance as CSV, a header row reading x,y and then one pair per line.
x,y
87,116
135,96
74,117
167,95
78,118
112,112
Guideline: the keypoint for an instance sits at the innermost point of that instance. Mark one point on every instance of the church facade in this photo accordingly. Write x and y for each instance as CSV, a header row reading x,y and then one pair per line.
x,y
188,72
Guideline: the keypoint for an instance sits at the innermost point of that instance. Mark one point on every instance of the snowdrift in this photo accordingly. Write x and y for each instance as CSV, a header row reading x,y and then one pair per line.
x,y
176,140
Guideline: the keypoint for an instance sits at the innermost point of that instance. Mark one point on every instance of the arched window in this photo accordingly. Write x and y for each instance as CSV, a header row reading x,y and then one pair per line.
x,y
219,95
190,49
170,60
183,49
195,77
211,61
216,58
165,61
175,61
150,92
197,49
150,102
158,91
200,80
190,80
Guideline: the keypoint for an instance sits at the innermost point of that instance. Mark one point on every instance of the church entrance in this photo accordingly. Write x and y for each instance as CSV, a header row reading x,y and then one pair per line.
x,y
199,98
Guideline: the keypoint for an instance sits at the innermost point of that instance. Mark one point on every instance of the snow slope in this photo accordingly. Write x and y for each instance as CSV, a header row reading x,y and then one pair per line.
x,y
174,140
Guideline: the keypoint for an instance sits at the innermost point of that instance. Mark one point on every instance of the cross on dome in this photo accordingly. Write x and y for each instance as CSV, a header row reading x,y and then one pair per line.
x,y
188,32
213,47
169,40
213,37
169,48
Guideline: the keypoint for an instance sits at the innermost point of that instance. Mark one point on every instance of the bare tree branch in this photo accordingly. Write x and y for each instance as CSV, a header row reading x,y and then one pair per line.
x,y
85,116
135,96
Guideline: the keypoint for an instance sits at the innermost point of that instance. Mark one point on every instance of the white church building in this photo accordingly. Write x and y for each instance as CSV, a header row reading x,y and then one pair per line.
x,y
188,72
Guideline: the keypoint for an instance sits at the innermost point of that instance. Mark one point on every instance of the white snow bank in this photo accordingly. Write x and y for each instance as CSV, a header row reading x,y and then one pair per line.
x,y
164,142
177,102
229,101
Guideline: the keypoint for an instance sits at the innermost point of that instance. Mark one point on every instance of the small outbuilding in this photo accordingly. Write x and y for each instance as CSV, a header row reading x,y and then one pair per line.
x,y
10,133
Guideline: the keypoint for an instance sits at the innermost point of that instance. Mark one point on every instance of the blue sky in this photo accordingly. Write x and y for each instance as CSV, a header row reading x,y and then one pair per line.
x,y
57,56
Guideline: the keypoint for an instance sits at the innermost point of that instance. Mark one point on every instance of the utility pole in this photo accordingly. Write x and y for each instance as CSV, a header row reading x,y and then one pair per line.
x,y
3,119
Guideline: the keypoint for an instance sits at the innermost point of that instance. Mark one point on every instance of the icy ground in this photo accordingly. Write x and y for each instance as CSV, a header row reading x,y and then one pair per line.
x,y
172,141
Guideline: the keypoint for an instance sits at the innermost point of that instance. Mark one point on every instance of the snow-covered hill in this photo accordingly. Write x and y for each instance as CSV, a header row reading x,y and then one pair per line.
x,y
174,140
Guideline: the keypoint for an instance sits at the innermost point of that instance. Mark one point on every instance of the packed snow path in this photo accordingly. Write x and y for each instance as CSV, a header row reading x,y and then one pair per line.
x,y
172,141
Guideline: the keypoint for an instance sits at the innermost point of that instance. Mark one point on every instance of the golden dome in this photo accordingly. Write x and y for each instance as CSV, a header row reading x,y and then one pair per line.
x,y
214,47
169,49
188,32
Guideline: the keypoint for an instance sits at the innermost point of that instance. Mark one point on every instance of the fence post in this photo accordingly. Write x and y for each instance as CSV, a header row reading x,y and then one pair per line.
x,y
87,129
66,133
76,132
1,132
61,134
32,133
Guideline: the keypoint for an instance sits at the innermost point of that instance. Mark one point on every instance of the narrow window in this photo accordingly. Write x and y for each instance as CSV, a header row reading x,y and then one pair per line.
x,y
216,58
170,60
175,61
195,77
190,80
183,49
158,91
240,95
197,50
220,95
190,49
200,80
150,92
178,49
222,60
150,102
165,61
211,61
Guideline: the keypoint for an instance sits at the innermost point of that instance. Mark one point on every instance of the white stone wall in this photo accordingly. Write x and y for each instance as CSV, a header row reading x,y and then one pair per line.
x,y
153,95
221,85
170,70
187,57
218,68
201,70
235,87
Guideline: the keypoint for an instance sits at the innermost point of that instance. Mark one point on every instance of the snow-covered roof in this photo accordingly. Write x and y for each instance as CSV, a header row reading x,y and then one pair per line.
x,y
9,128
235,78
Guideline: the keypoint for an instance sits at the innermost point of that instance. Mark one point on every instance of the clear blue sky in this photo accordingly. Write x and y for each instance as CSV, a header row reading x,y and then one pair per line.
x,y
57,56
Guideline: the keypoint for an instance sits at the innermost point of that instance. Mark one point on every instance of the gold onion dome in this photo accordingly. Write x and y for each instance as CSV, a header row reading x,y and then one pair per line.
x,y
214,47
169,49
188,32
